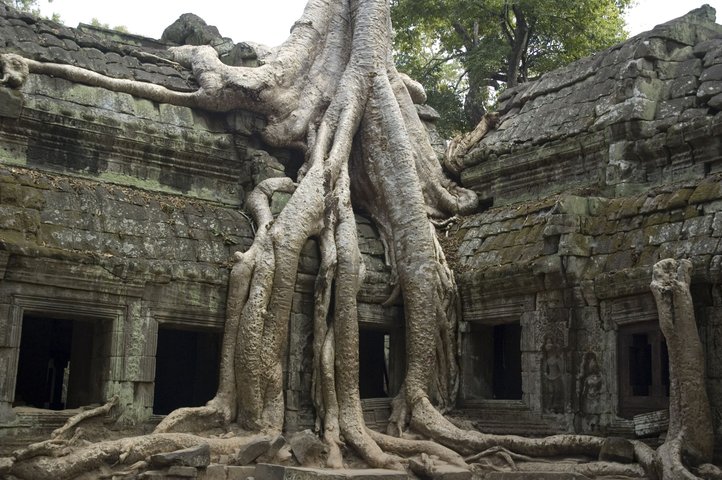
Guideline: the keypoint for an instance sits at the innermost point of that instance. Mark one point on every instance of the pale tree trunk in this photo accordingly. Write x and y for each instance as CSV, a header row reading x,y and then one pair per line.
x,y
690,436
331,90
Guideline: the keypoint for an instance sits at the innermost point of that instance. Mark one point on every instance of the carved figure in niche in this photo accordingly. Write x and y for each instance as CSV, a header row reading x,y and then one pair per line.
x,y
592,386
553,368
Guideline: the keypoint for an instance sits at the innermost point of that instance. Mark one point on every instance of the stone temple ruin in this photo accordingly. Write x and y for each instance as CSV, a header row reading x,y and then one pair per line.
x,y
119,216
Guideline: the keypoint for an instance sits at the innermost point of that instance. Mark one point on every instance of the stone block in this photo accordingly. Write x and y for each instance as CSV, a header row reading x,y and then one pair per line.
x,y
183,471
706,191
308,449
717,225
8,363
684,86
575,244
279,472
251,451
143,394
153,475
450,472
711,73
276,445
146,371
199,456
617,449
245,472
6,464
709,89
9,334
11,103
547,264
214,471
651,423
663,233
715,102
175,115
535,476
635,108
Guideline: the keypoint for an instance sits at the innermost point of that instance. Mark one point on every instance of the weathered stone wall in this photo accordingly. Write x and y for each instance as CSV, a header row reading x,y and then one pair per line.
x,y
597,171
638,114
126,213
77,247
113,209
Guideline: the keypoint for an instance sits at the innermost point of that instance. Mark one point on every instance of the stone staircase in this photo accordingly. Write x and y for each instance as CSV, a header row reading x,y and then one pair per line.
x,y
31,425
508,417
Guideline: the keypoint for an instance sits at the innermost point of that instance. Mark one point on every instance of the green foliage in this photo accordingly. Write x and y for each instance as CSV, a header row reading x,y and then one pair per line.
x,y
472,48
33,7
118,28
30,6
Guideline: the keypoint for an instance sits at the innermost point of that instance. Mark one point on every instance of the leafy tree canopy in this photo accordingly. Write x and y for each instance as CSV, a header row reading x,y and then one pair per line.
x,y
460,49
26,6
33,7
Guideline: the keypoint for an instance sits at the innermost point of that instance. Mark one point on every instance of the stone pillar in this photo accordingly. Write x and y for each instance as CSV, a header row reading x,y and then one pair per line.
x,y
138,374
10,328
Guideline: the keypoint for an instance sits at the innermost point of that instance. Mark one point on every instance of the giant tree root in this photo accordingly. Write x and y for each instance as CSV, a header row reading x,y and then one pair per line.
x,y
125,451
690,437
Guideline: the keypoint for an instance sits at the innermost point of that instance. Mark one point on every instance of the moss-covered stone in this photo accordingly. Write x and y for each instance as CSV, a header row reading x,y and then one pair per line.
x,y
706,191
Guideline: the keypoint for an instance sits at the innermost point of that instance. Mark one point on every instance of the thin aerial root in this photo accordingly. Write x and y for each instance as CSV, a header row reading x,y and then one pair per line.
x,y
507,454
75,420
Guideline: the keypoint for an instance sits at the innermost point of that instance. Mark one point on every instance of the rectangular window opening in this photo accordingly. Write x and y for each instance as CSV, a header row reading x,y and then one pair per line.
x,y
492,363
62,362
374,348
507,361
186,369
643,373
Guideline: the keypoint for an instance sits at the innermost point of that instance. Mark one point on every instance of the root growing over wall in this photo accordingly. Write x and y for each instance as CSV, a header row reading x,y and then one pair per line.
x,y
333,91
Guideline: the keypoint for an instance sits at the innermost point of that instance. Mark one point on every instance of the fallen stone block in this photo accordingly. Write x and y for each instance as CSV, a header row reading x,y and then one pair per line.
x,y
199,456
251,451
308,449
276,445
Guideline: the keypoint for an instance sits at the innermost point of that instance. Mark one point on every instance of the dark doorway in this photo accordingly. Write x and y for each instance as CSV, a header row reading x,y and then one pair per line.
x,y
491,365
186,368
373,364
507,361
643,369
57,366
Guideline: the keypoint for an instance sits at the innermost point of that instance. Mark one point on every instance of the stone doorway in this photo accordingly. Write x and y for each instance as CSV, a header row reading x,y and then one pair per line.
x,y
373,364
61,362
187,364
506,378
492,364
643,369
381,361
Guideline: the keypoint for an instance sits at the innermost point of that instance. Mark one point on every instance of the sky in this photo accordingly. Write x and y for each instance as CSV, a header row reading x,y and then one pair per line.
x,y
269,21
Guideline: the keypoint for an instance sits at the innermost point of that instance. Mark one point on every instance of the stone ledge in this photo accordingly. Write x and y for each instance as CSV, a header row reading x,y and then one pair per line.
x,y
534,476
279,472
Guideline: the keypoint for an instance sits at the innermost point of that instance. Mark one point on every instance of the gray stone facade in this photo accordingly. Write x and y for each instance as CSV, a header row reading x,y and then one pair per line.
x,y
595,172
121,216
